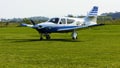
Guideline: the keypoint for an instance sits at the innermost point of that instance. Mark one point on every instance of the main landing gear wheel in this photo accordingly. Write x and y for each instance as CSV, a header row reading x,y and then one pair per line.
x,y
74,35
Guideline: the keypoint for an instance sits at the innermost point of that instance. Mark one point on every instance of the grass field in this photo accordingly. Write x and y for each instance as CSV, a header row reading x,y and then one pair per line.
x,y
97,47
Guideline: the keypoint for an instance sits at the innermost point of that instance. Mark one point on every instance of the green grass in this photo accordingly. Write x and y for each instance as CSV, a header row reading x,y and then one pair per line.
x,y
97,47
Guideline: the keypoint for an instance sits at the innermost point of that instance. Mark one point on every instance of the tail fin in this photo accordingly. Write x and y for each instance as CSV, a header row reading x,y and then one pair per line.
x,y
92,15
93,12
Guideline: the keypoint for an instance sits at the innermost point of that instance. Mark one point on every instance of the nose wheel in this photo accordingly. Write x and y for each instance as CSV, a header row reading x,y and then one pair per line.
x,y
47,36
74,35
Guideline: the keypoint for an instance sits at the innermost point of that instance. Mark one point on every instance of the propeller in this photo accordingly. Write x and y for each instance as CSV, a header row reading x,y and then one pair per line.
x,y
34,25
29,21
32,22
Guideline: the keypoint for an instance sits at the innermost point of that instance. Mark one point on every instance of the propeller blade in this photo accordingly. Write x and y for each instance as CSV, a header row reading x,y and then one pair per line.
x,y
32,22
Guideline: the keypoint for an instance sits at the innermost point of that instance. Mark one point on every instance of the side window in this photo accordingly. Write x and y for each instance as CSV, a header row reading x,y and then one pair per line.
x,y
69,21
80,23
63,21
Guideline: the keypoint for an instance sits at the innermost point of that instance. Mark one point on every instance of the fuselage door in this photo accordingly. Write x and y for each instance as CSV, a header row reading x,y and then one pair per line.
x,y
62,21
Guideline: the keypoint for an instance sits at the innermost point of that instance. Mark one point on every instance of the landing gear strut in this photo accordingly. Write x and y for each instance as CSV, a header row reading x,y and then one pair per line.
x,y
74,35
41,38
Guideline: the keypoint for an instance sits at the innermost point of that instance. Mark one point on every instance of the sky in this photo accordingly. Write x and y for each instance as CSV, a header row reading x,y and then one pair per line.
x,y
53,8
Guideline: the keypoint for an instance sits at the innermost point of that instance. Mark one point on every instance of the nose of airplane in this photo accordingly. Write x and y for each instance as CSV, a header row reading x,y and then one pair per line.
x,y
43,25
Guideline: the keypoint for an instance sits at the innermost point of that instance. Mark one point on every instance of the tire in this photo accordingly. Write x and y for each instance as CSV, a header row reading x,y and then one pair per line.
x,y
41,38
74,38
47,37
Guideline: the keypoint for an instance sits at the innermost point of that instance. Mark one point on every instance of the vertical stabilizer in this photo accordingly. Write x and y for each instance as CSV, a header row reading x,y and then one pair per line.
x,y
91,17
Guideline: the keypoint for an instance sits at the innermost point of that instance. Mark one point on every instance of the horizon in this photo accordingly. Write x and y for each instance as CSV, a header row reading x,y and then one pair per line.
x,y
52,16
53,8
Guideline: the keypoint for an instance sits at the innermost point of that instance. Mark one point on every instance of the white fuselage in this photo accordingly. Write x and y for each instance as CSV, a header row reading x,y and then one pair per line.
x,y
63,24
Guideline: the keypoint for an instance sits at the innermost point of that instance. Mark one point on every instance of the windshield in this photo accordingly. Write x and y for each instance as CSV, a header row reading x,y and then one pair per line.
x,y
54,20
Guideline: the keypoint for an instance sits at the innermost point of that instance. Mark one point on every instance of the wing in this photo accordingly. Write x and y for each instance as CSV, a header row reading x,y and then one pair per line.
x,y
27,25
69,28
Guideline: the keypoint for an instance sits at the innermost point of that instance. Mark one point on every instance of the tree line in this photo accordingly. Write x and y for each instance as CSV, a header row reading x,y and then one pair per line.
x,y
104,18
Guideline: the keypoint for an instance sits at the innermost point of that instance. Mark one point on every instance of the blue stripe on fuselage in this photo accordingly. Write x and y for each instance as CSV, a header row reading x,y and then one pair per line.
x,y
56,29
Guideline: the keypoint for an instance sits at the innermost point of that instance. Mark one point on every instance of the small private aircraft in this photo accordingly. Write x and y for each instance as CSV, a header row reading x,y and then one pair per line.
x,y
65,24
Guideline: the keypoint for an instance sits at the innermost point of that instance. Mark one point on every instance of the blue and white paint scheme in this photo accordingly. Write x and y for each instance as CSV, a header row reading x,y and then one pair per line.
x,y
65,24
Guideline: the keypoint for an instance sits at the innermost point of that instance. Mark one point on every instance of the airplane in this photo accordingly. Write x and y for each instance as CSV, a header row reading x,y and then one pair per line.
x,y
65,24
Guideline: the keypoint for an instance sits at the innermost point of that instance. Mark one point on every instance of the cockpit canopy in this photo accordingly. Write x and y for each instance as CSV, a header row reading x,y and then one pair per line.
x,y
61,20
